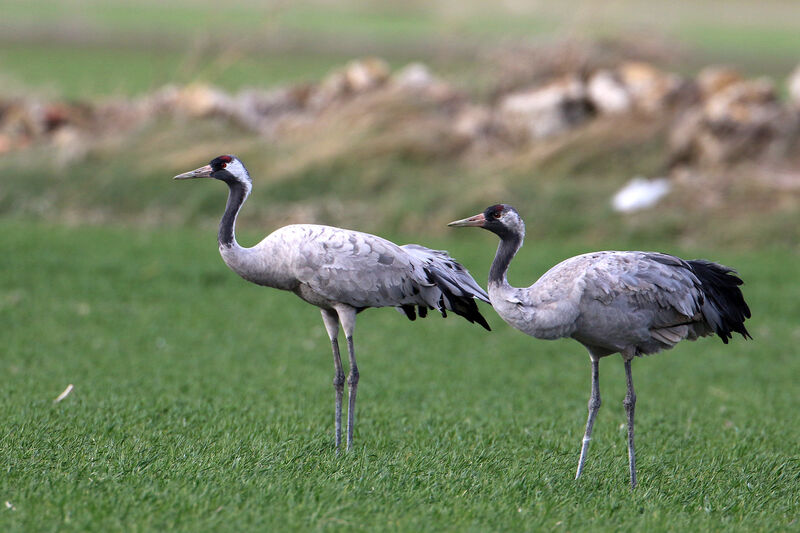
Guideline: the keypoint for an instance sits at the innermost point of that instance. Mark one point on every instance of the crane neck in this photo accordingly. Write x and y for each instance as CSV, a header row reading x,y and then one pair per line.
x,y
510,244
237,194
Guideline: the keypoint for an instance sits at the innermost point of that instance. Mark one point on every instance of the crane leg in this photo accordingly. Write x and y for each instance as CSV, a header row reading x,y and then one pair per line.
x,y
331,320
594,406
352,384
630,404
347,316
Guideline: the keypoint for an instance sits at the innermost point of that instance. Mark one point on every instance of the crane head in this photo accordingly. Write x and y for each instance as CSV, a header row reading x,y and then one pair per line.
x,y
501,219
225,168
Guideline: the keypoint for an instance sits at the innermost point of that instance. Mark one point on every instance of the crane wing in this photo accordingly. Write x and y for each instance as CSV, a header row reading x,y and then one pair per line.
x,y
648,280
327,266
359,269
643,296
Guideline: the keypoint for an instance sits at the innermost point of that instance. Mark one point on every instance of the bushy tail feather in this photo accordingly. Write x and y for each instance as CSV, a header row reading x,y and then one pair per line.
x,y
450,271
463,306
724,307
459,288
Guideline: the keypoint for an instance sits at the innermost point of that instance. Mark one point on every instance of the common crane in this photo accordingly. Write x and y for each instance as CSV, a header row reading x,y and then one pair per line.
x,y
342,272
631,303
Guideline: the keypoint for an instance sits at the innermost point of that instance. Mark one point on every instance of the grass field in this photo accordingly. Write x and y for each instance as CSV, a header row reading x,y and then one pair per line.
x,y
90,48
204,403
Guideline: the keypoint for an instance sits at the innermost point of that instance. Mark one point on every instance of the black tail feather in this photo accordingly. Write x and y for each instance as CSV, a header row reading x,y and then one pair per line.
x,y
459,289
724,308
410,313
462,304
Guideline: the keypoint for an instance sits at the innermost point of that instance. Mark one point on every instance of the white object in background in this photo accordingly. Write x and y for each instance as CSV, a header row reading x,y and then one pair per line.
x,y
793,84
640,193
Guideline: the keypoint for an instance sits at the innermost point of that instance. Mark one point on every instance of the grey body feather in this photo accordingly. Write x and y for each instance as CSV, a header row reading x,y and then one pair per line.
x,y
327,266
611,301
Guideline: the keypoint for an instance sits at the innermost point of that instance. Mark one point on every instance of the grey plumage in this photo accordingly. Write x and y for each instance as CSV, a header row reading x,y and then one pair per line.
x,y
326,265
632,303
612,301
342,272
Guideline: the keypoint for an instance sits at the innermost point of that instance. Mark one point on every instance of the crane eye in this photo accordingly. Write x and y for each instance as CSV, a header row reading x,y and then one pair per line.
x,y
497,214
224,165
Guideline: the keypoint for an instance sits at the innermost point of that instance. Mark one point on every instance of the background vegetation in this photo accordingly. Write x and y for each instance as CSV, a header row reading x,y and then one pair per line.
x,y
202,402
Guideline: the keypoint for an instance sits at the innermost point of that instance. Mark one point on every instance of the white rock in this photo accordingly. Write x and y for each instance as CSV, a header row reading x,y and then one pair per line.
x,y
545,111
414,76
649,87
608,94
640,193
366,74
794,87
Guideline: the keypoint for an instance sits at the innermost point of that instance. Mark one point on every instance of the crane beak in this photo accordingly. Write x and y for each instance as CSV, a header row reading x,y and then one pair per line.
x,y
477,221
202,172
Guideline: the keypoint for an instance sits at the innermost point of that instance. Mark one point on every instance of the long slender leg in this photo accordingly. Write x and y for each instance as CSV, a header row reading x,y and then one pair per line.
x,y
347,316
630,404
331,320
352,383
594,406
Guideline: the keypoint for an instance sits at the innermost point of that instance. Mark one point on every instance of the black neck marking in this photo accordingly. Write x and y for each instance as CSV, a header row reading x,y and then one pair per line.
x,y
510,243
236,197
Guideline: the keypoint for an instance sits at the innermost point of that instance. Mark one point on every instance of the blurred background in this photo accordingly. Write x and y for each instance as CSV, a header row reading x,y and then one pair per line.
x,y
627,122
203,404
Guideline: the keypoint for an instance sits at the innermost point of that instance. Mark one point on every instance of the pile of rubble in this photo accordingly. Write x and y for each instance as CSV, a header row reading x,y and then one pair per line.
x,y
735,119
718,118
561,104
25,121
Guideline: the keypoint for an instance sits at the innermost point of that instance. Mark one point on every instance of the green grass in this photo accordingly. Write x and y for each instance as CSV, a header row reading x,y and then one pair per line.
x,y
202,402
81,71
94,48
